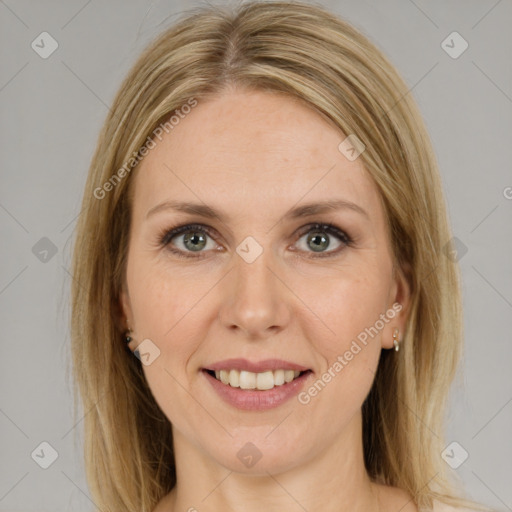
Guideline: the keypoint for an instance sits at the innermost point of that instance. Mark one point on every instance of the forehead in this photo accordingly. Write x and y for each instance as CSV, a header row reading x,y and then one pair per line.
x,y
254,152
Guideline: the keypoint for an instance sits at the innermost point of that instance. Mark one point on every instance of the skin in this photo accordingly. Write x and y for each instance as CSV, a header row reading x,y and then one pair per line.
x,y
254,156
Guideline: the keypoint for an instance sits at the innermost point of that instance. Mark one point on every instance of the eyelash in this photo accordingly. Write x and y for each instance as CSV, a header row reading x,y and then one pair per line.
x,y
167,235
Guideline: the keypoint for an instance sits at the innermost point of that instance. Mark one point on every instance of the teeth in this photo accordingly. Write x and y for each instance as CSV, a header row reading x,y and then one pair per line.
x,y
234,378
224,377
278,377
265,380
249,380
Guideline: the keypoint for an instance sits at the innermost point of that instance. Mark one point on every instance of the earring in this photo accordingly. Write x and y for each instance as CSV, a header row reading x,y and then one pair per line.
x,y
127,336
396,343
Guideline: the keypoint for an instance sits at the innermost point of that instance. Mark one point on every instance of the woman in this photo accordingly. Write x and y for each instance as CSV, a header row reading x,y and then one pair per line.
x,y
263,315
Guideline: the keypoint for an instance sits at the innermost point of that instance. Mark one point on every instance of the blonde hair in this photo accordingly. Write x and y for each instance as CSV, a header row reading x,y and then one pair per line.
x,y
302,51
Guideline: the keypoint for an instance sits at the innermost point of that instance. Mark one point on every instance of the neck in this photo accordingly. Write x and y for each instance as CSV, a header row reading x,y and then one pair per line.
x,y
331,481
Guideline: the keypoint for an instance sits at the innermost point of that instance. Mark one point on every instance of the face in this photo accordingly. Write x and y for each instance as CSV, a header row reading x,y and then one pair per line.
x,y
258,282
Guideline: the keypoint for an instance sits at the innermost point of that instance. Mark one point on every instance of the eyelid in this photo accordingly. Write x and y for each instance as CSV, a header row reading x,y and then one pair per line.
x,y
327,227
170,233
165,237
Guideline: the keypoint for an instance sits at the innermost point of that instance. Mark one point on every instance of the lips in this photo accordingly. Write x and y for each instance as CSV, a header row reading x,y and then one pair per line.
x,y
257,399
262,375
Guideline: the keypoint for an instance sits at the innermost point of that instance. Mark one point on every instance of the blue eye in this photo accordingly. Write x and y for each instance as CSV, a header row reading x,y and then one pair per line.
x,y
194,238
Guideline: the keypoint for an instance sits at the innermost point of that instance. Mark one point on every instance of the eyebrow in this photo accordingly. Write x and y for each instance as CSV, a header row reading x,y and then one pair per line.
x,y
305,210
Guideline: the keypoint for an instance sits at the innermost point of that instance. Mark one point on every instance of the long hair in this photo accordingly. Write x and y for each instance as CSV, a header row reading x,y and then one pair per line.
x,y
302,51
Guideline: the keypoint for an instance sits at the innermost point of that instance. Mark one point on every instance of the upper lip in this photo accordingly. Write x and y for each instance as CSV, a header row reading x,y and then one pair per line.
x,y
255,367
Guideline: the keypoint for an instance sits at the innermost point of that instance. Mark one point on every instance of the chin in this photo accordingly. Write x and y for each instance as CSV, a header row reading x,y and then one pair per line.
x,y
256,452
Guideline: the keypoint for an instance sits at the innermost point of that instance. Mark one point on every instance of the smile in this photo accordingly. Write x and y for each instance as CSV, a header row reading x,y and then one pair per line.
x,y
256,391
250,380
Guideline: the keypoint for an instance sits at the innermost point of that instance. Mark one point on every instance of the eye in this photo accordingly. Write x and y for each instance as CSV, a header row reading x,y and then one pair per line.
x,y
193,238
319,236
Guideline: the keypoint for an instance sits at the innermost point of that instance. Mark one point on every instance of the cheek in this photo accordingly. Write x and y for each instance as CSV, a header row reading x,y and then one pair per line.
x,y
169,311
343,323
159,297
163,307
343,307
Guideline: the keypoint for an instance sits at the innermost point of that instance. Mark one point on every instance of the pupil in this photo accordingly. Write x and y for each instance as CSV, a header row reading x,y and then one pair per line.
x,y
319,241
194,239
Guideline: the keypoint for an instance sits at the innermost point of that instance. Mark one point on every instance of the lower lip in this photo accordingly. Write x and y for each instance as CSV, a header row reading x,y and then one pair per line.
x,y
256,400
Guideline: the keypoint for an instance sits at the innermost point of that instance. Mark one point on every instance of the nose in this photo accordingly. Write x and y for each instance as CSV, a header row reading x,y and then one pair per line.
x,y
255,299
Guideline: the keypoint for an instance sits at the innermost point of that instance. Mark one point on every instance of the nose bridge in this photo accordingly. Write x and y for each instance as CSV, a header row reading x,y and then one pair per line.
x,y
257,300
254,276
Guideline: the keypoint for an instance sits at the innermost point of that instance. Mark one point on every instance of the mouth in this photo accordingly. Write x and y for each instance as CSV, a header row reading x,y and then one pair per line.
x,y
256,385
261,381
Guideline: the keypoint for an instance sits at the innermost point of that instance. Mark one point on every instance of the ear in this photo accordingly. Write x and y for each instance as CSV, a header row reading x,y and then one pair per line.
x,y
400,302
123,311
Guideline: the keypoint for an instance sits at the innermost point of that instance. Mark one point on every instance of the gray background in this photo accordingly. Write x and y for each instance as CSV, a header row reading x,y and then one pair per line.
x,y
52,110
